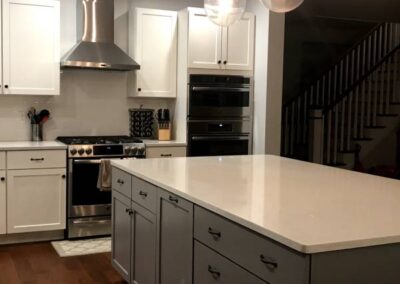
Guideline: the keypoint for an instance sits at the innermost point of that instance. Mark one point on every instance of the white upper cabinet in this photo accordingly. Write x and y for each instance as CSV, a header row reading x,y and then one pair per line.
x,y
238,44
154,47
213,47
31,47
204,47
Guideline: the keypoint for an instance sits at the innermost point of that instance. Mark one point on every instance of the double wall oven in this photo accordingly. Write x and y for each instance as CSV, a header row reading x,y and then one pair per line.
x,y
219,115
89,207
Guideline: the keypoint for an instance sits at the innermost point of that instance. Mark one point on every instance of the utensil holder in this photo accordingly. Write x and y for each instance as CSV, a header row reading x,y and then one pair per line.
x,y
164,131
36,132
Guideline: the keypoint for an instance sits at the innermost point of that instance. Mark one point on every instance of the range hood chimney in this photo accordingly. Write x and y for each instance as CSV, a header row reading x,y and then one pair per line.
x,y
97,49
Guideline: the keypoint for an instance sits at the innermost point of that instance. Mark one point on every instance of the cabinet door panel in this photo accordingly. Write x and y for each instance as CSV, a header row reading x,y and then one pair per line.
x,y
238,44
36,200
3,207
176,239
156,52
204,41
31,39
144,246
121,234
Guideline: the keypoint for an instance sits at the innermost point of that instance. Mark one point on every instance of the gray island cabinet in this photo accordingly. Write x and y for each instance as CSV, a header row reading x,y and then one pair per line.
x,y
162,237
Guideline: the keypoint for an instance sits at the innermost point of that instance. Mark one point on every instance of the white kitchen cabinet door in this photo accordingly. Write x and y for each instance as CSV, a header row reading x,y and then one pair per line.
x,y
31,47
155,49
3,208
36,200
204,47
238,44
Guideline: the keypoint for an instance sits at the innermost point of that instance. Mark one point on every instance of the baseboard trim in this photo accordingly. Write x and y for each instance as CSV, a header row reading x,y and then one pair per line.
x,y
31,237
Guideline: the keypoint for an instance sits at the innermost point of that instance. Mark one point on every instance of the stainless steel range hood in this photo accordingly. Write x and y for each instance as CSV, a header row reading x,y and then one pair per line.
x,y
97,50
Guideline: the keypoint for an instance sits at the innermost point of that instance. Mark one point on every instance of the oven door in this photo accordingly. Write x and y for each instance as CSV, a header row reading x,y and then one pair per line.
x,y
219,145
85,199
209,101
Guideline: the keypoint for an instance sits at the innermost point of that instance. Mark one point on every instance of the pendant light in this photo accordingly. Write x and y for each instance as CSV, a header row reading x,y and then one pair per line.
x,y
224,12
281,6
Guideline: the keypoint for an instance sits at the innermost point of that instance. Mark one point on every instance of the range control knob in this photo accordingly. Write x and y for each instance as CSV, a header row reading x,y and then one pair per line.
x,y
89,151
128,150
81,151
73,151
141,151
134,150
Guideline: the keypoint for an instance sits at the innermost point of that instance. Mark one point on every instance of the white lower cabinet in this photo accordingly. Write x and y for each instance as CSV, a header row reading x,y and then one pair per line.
x,y
36,200
3,215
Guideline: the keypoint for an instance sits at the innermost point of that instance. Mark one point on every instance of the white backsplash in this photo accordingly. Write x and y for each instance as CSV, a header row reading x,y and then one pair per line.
x,y
91,103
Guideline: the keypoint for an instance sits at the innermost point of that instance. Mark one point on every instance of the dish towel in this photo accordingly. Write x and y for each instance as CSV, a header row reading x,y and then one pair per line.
x,y
104,179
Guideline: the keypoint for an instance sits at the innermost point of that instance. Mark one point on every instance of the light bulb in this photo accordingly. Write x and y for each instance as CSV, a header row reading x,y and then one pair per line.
x,y
224,12
282,6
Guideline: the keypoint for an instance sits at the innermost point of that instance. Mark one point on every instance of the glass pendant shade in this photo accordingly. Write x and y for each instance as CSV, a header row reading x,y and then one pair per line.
x,y
224,12
282,6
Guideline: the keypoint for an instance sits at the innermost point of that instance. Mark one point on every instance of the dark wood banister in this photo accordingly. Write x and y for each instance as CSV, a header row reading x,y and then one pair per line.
x,y
353,47
359,81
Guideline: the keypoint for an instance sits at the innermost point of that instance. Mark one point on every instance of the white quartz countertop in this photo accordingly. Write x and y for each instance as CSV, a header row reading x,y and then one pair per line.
x,y
29,145
171,143
308,207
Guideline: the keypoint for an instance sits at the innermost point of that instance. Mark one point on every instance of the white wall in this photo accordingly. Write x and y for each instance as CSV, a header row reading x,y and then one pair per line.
x,y
91,102
268,76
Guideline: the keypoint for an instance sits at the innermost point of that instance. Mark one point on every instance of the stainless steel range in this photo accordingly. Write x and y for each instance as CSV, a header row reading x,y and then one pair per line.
x,y
89,208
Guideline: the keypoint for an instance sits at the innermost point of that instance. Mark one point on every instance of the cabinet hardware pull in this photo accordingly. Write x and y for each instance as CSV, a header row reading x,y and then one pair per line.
x,y
63,176
214,272
166,155
214,233
6,86
120,181
142,193
2,178
130,212
225,62
268,261
219,61
37,160
127,210
173,199
139,89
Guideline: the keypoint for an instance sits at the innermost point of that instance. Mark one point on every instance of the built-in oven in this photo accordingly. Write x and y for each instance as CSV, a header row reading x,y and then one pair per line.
x,y
219,138
215,96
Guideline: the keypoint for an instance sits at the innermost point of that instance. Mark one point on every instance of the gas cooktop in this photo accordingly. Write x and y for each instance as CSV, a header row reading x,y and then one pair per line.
x,y
103,146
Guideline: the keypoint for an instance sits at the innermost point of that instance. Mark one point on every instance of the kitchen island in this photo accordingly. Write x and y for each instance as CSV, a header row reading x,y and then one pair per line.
x,y
253,219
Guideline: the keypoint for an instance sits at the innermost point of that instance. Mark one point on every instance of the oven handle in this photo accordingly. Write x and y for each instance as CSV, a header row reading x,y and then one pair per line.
x,y
91,222
223,89
87,161
219,138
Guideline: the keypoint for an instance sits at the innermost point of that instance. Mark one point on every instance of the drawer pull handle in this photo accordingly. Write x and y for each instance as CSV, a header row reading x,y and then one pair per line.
x,y
166,155
215,273
129,211
268,261
120,181
37,159
2,178
216,235
142,193
173,199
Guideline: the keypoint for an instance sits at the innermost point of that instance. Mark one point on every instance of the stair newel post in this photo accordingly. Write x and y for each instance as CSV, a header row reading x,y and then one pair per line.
x,y
349,113
316,134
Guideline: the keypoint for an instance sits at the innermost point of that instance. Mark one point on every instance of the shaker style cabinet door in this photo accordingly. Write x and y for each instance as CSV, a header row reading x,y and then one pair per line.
x,y
204,47
3,210
121,235
155,49
36,200
144,230
176,239
31,47
238,44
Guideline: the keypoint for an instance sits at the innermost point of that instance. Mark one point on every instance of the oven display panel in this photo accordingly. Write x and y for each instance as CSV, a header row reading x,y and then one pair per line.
x,y
104,150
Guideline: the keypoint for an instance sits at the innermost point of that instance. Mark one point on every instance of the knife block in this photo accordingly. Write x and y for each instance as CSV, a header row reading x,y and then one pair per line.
x,y
164,131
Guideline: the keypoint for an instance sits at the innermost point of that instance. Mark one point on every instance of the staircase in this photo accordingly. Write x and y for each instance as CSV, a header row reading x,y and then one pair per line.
x,y
351,107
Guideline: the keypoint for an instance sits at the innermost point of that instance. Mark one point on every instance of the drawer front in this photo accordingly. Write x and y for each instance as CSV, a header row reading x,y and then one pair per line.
x,y
210,267
2,160
165,152
144,193
122,182
263,257
37,159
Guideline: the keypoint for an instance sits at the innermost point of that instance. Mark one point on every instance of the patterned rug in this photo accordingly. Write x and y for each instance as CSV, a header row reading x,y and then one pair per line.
x,y
82,247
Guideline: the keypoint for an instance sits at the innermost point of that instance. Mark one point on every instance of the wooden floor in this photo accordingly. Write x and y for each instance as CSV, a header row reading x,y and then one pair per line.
x,y
39,264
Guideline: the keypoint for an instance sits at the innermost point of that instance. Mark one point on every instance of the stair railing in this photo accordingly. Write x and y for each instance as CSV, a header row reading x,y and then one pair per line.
x,y
339,83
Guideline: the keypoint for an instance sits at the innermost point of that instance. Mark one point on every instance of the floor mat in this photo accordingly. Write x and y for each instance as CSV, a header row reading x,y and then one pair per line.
x,y
82,247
